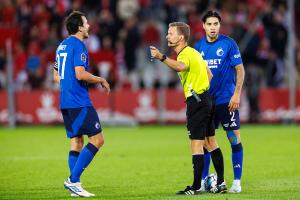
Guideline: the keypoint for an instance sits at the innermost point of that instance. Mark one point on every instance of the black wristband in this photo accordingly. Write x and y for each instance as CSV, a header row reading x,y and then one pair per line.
x,y
164,57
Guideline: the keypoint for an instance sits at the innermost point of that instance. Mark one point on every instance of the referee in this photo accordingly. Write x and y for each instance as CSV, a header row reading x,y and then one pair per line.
x,y
194,76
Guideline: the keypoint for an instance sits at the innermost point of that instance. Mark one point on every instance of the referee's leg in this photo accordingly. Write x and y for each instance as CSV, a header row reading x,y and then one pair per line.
x,y
198,161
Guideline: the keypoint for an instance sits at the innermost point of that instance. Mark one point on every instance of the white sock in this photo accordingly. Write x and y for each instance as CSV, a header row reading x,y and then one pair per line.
x,y
236,182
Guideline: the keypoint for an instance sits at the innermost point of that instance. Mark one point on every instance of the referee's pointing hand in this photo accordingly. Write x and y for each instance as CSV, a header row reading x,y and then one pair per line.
x,y
155,53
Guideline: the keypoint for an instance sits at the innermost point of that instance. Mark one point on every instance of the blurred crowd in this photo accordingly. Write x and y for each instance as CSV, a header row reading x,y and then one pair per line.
x,y
122,30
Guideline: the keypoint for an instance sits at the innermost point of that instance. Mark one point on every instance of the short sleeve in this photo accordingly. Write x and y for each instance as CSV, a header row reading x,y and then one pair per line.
x,y
184,59
80,55
235,55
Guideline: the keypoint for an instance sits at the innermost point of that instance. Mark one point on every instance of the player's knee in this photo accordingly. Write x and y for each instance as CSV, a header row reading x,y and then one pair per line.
x,y
77,144
197,146
97,140
101,142
211,143
233,137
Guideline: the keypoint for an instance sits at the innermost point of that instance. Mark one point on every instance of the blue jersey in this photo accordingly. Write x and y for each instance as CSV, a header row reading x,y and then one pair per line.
x,y
73,93
221,56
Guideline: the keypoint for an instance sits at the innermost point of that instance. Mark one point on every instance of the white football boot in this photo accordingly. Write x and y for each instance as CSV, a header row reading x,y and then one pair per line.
x,y
236,187
76,195
77,189
202,188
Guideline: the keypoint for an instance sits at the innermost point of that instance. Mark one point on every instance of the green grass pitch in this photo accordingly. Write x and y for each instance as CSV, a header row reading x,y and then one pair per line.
x,y
146,162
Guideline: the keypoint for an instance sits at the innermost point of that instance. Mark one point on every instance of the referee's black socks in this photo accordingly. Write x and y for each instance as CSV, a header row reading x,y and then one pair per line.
x,y
217,159
198,163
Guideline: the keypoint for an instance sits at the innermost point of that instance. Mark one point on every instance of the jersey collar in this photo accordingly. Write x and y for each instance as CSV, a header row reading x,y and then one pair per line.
x,y
182,49
213,41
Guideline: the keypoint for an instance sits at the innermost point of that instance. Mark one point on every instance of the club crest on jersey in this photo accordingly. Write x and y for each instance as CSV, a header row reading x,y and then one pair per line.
x,y
83,57
97,125
220,52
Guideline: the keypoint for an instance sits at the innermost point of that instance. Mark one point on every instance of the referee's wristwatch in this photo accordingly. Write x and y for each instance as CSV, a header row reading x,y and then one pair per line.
x,y
164,57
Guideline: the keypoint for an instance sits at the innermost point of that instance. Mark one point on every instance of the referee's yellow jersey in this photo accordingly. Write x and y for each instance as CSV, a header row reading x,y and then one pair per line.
x,y
195,76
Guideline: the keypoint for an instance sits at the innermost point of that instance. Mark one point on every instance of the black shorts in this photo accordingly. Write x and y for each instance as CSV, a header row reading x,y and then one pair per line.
x,y
200,115
81,121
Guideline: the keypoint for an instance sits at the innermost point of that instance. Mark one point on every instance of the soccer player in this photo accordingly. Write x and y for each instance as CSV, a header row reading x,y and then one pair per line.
x,y
80,117
224,60
194,75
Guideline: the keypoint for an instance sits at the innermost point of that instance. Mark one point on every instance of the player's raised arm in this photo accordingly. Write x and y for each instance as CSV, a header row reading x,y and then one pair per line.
x,y
83,75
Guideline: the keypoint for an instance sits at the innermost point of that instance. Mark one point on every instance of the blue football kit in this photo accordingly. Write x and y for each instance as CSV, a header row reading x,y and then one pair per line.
x,y
69,54
222,56
79,115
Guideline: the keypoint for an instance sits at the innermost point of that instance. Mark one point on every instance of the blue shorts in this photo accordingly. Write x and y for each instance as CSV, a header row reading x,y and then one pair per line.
x,y
229,120
81,121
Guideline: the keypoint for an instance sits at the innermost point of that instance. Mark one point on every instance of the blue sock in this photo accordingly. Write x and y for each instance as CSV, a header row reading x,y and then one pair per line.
x,y
237,160
206,164
73,156
85,157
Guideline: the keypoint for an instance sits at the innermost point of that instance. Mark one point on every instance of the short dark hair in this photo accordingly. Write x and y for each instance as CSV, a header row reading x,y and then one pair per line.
x,y
182,28
73,21
211,13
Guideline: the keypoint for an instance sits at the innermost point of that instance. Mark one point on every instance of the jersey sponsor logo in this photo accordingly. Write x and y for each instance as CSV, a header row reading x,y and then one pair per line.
x,y
83,57
237,55
233,124
213,63
220,52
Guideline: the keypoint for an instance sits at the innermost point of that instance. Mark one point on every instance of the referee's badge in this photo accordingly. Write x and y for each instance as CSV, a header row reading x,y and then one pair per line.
x,y
220,52
83,57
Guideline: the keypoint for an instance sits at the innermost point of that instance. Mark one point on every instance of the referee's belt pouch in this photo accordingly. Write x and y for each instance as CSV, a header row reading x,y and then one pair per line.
x,y
198,97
